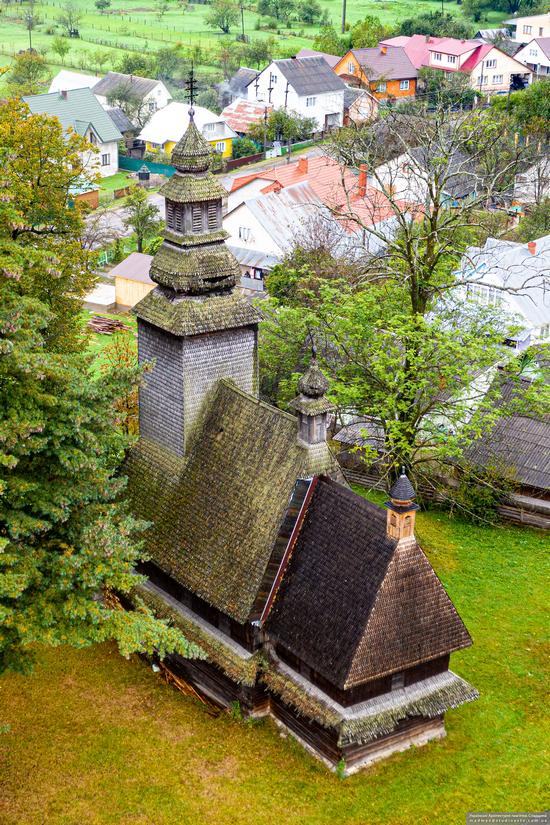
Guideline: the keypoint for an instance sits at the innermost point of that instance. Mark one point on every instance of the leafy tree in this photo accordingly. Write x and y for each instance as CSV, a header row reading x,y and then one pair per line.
x,y
281,10
261,52
209,98
436,24
99,59
529,109
65,534
222,15
446,88
328,41
168,64
401,341
162,8
133,63
244,147
31,19
283,125
230,53
309,11
368,32
102,5
27,74
70,17
61,47
141,216
536,222
125,97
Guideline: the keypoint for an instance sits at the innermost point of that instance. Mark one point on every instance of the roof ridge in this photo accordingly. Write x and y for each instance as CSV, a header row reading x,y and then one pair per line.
x,y
227,382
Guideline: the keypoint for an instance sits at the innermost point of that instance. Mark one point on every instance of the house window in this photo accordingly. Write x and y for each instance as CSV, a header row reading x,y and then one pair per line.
x,y
212,215
272,79
541,31
527,29
154,145
451,58
490,64
381,87
220,146
105,160
351,68
310,101
397,681
545,332
152,105
244,233
209,127
483,79
196,218
497,78
533,52
437,56
93,139
404,85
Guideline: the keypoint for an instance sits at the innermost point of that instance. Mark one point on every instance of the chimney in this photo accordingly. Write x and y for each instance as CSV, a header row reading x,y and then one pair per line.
x,y
277,187
532,247
383,49
63,94
401,509
302,166
362,187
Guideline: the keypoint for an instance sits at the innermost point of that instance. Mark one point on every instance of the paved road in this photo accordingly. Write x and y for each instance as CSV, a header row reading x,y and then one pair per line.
x,y
111,221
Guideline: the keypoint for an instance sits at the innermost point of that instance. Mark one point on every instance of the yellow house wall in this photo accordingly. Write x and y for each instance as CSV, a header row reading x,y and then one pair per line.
x,y
168,147
128,293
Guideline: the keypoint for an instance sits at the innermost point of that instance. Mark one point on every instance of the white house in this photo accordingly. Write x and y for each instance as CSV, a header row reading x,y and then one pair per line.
x,y
305,85
536,55
515,277
533,185
80,111
491,70
166,127
523,29
66,81
153,93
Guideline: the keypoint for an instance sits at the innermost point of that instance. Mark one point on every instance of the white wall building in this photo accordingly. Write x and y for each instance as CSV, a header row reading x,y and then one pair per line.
x,y
66,81
305,85
153,93
523,29
536,55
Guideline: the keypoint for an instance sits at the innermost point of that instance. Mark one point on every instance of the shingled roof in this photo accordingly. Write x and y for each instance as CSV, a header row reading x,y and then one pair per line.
x,y
355,604
217,514
114,81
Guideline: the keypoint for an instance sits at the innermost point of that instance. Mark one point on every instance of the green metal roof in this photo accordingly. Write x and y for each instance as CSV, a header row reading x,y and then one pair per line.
x,y
76,109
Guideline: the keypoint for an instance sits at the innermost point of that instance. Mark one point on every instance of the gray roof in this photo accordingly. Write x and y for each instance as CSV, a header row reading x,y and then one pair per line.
x,y
393,64
331,59
462,177
135,267
121,120
402,489
351,95
113,80
310,75
77,109
241,79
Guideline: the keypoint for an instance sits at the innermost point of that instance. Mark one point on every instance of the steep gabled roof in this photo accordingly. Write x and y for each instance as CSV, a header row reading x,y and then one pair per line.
x,y
76,109
390,63
217,514
310,75
354,604
331,59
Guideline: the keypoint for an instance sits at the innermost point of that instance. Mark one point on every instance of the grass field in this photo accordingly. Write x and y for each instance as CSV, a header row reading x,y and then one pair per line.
x,y
128,26
92,738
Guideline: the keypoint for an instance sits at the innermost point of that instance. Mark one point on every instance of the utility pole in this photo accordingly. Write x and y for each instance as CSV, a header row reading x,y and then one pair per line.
x,y
344,4
243,36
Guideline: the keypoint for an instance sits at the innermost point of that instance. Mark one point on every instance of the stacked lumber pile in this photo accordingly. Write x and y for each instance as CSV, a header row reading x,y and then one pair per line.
x,y
105,326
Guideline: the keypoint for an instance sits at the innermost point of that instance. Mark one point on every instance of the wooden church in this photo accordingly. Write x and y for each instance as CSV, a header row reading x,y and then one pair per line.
x,y
308,602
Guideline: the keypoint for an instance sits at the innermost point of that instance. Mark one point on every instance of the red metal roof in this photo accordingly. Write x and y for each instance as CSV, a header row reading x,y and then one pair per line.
x,y
241,114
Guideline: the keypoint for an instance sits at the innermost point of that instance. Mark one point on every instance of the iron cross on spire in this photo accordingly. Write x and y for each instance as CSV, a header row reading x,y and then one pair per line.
x,y
190,89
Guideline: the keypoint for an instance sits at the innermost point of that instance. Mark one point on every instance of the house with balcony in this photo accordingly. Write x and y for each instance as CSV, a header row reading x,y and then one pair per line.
x,y
385,71
536,55
305,85
490,69
523,29
167,126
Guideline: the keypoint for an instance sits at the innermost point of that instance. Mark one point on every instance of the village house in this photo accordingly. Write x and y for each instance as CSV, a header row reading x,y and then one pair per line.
x,y
515,277
237,86
79,110
307,86
336,197
523,29
490,69
360,106
66,81
330,59
536,55
308,602
384,70
167,126
241,114
132,280
152,94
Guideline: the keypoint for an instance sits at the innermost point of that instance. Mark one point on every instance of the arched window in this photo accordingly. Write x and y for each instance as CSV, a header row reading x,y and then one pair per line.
x,y
407,526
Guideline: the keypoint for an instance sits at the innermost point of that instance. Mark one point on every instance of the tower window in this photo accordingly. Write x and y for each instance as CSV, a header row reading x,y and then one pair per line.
x,y
178,218
196,218
397,681
170,214
212,215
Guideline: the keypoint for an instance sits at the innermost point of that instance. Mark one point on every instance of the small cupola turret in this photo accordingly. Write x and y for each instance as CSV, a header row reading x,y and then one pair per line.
x,y
312,405
401,508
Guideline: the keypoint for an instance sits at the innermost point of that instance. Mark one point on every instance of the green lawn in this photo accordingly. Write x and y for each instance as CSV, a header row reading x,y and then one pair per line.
x,y
94,738
98,342
117,181
128,26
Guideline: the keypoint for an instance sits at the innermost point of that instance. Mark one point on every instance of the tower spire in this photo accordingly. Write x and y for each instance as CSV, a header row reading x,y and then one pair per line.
x,y
401,508
311,403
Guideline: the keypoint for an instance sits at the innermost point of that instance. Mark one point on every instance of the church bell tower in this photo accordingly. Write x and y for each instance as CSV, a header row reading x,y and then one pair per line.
x,y
193,327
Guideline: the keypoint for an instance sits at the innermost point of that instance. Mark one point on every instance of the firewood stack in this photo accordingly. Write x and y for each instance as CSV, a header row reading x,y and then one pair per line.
x,y
106,326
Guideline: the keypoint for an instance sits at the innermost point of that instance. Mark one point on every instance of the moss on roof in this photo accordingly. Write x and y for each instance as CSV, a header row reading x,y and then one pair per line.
x,y
311,406
192,152
195,270
198,314
216,518
195,240
189,188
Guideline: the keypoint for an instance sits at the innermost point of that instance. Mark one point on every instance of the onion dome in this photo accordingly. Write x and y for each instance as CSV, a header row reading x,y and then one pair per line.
x,y
192,153
312,387
402,489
